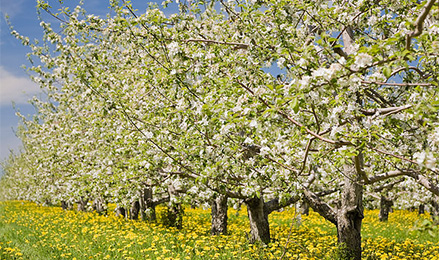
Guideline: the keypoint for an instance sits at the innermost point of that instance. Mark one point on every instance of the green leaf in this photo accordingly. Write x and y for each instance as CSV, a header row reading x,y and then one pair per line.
x,y
295,105
386,72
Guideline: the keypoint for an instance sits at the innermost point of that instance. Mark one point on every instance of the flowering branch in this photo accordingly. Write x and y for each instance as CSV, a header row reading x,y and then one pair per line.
x,y
285,115
419,24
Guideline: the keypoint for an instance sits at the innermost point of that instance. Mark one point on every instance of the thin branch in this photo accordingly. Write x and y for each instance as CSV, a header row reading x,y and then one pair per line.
x,y
396,84
282,165
398,110
393,155
419,23
309,143
236,44
422,180
388,186
384,111
409,68
387,175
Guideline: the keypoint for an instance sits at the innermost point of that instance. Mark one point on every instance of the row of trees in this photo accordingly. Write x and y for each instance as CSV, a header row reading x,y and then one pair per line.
x,y
144,108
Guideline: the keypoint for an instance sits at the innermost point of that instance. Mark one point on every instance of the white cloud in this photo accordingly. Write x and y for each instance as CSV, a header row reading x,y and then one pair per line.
x,y
11,7
15,88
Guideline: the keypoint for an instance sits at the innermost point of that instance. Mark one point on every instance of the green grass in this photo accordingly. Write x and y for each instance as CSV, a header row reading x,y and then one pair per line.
x,y
28,231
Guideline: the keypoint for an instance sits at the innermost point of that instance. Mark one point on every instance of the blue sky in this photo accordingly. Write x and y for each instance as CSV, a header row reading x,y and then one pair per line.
x,y
15,85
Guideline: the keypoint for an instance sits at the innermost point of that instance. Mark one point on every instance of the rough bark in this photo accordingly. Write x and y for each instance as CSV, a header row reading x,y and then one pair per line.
x,y
385,208
350,215
134,211
347,217
219,215
142,205
258,220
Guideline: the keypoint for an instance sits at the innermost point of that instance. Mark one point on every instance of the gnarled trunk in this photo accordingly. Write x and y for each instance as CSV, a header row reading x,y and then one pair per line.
x,y
350,215
219,215
258,220
147,205
385,208
347,217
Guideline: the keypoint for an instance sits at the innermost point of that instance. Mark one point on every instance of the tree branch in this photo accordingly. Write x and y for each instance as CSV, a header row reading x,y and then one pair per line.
x,y
320,206
419,23
422,180
236,44
384,111
359,166
388,186
396,84
275,204
393,155
384,176
409,68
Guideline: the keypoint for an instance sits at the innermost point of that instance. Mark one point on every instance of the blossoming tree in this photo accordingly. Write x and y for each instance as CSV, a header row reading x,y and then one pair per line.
x,y
355,103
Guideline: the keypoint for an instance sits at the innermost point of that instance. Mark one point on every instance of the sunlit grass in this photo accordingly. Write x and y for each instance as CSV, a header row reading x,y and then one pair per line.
x,y
28,231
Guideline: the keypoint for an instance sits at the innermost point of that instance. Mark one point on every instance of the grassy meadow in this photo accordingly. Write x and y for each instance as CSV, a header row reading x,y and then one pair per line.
x,y
29,231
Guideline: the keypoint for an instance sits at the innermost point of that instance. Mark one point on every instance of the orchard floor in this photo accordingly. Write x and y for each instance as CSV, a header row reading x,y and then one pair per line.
x,y
29,231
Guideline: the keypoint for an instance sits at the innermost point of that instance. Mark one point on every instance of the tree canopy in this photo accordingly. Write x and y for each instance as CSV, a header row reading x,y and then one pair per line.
x,y
249,99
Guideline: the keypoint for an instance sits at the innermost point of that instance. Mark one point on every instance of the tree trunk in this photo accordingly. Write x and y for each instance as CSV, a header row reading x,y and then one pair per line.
x,y
385,208
120,211
82,204
98,205
304,208
151,206
421,209
66,205
219,215
134,211
175,216
143,204
434,210
258,220
350,215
